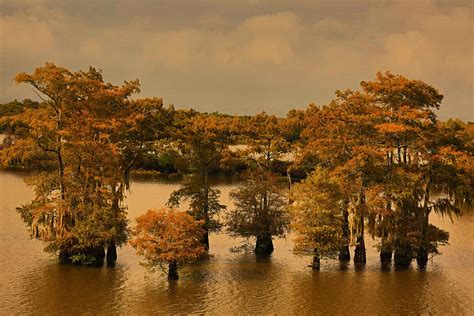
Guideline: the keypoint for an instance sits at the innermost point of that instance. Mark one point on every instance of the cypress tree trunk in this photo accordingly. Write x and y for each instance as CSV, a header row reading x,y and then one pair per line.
x,y
111,253
61,173
316,265
386,254
422,257
359,252
403,257
344,253
111,247
173,270
422,252
264,245
386,250
205,237
98,254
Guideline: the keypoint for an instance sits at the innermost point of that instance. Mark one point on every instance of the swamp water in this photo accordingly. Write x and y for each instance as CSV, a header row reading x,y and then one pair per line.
x,y
33,282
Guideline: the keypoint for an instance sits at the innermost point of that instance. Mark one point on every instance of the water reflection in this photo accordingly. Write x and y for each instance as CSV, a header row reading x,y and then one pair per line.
x,y
65,289
229,282
344,265
343,293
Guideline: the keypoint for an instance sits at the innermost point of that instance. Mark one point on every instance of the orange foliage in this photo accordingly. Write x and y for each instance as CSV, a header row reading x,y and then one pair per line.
x,y
167,235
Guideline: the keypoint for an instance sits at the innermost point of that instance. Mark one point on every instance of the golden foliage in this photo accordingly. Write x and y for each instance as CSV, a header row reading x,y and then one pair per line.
x,y
167,235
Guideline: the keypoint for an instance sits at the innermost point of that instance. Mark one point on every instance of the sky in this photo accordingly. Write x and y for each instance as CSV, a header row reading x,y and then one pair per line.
x,y
247,56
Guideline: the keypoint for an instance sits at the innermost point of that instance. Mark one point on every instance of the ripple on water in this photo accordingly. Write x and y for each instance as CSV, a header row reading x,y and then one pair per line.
x,y
228,283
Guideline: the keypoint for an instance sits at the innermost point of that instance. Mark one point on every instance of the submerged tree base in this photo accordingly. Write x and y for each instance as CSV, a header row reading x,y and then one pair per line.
x,y
64,257
173,271
344,254
91,257
205,239
316,264
386,255
111,254
264,245
402,258
360,256
422,258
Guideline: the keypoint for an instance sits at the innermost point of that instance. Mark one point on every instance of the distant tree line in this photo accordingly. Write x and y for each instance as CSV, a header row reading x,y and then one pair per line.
x,y
375,161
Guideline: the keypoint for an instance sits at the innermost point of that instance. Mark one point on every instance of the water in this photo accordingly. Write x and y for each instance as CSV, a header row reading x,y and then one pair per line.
x,y
32,282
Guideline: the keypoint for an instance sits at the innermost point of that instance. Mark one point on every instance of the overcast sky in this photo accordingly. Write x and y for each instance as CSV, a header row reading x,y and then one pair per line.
x,y
244,56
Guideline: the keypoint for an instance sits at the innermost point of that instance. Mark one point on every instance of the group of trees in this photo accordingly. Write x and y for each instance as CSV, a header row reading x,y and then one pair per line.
x,y
387,164
374,161
85,134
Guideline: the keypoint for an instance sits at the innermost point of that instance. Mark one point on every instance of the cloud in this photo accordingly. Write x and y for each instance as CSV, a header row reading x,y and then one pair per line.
x,y
17,34
90,48
265,39
281,24
232,56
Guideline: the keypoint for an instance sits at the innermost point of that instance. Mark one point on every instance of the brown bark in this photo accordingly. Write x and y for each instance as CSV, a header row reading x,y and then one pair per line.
x,y
111,253
386,254
264,245
205,237
173,270
344,252
403,257
316,264
359,252
422,257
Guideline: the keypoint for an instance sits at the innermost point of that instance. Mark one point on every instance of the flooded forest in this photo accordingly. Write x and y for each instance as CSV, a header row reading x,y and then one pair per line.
x,y
141,207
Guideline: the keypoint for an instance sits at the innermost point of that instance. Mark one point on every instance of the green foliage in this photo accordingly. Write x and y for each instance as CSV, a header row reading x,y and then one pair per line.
x,y
202,141
379,153
260,207
92,132
203,201
394,161
317,215
14,108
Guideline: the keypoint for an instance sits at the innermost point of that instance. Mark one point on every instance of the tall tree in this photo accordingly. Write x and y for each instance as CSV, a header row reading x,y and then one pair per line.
x,y
340,137
265,138
416,164
137,126
83,123
260,210
316,216
202,141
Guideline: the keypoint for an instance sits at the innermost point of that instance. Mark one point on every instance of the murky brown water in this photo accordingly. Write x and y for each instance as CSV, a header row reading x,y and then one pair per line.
x,y
32,282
